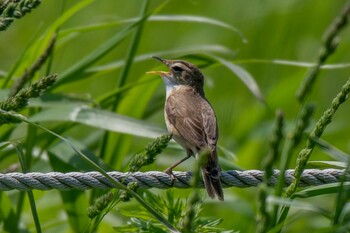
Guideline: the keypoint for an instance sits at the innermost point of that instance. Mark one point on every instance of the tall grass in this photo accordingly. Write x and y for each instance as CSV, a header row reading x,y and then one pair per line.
x,y
103,109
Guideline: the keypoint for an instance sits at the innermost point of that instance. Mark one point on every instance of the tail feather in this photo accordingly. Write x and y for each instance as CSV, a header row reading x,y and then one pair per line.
x,y
211,177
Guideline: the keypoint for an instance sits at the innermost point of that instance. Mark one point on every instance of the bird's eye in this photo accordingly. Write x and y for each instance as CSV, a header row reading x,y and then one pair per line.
x,y
177,68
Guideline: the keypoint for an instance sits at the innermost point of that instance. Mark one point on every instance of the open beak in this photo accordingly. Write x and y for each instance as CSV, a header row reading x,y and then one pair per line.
x,y
161,73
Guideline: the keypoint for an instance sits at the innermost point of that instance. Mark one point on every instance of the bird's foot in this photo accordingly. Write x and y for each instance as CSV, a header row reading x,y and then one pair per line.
x,y
171,174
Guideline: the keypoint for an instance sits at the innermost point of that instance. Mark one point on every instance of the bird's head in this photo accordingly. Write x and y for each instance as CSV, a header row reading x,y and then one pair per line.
x,y
181,73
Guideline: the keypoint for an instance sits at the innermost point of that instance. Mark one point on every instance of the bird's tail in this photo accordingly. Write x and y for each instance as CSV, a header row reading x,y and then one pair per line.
x,y
211,176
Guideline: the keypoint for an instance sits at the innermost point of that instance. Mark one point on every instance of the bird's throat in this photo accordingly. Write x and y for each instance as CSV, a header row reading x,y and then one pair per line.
x,y
170,86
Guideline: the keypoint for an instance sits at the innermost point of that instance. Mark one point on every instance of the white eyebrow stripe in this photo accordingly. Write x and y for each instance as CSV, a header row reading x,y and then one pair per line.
x,y
182,66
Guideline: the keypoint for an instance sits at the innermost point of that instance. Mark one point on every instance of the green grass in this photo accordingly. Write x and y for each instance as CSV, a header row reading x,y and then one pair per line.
x,y
258,58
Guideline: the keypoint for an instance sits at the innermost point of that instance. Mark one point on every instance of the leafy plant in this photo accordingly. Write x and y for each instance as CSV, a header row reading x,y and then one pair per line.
x,y
75,97
172,208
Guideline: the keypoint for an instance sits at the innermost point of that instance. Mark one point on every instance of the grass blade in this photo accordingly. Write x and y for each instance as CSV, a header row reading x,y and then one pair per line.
x,y
175,52
321,190
75,72
159,18
98,118
149,208
33,51
243,75
331,150
25,169
294,63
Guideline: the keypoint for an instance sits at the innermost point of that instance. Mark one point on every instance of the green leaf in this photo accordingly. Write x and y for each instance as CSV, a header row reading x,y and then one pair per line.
x,y
70,161
76,71
228,154
321,190
9,220
326,164
193,49
331,150
242,74
38,46
300,205
25,168
75,202
159,18
294,63
137,214
4,145
98,118
109,96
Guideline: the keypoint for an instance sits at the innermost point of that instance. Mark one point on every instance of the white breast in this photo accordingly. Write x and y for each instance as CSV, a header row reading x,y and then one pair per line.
x,y
170,86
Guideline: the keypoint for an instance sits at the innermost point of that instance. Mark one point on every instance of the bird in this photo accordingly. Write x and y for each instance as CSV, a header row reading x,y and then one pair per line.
x,y
191,120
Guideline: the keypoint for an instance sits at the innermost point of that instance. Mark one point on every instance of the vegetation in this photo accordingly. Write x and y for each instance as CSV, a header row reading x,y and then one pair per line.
x,y
75,96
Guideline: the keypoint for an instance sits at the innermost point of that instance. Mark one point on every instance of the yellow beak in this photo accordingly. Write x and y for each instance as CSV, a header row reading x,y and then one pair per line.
x,y
161,73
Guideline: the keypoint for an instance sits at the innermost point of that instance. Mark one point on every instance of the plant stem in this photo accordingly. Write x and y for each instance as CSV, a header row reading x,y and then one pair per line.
x,y
330,43
123,77
25,168
305,153
29,74
292,142
321,125
264,217
115,182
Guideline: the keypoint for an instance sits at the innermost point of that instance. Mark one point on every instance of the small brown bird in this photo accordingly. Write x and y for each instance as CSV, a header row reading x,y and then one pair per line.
x,y
191,119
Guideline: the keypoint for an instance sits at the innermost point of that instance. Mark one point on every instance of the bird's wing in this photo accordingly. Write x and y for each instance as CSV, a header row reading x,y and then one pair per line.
x,y
193,119
210,125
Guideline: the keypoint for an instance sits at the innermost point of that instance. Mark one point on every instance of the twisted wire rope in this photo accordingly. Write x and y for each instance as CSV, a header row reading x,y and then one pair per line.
x,y
155,179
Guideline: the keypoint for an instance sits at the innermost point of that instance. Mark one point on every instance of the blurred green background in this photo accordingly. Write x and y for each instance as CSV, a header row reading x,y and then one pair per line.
x,y
254,35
